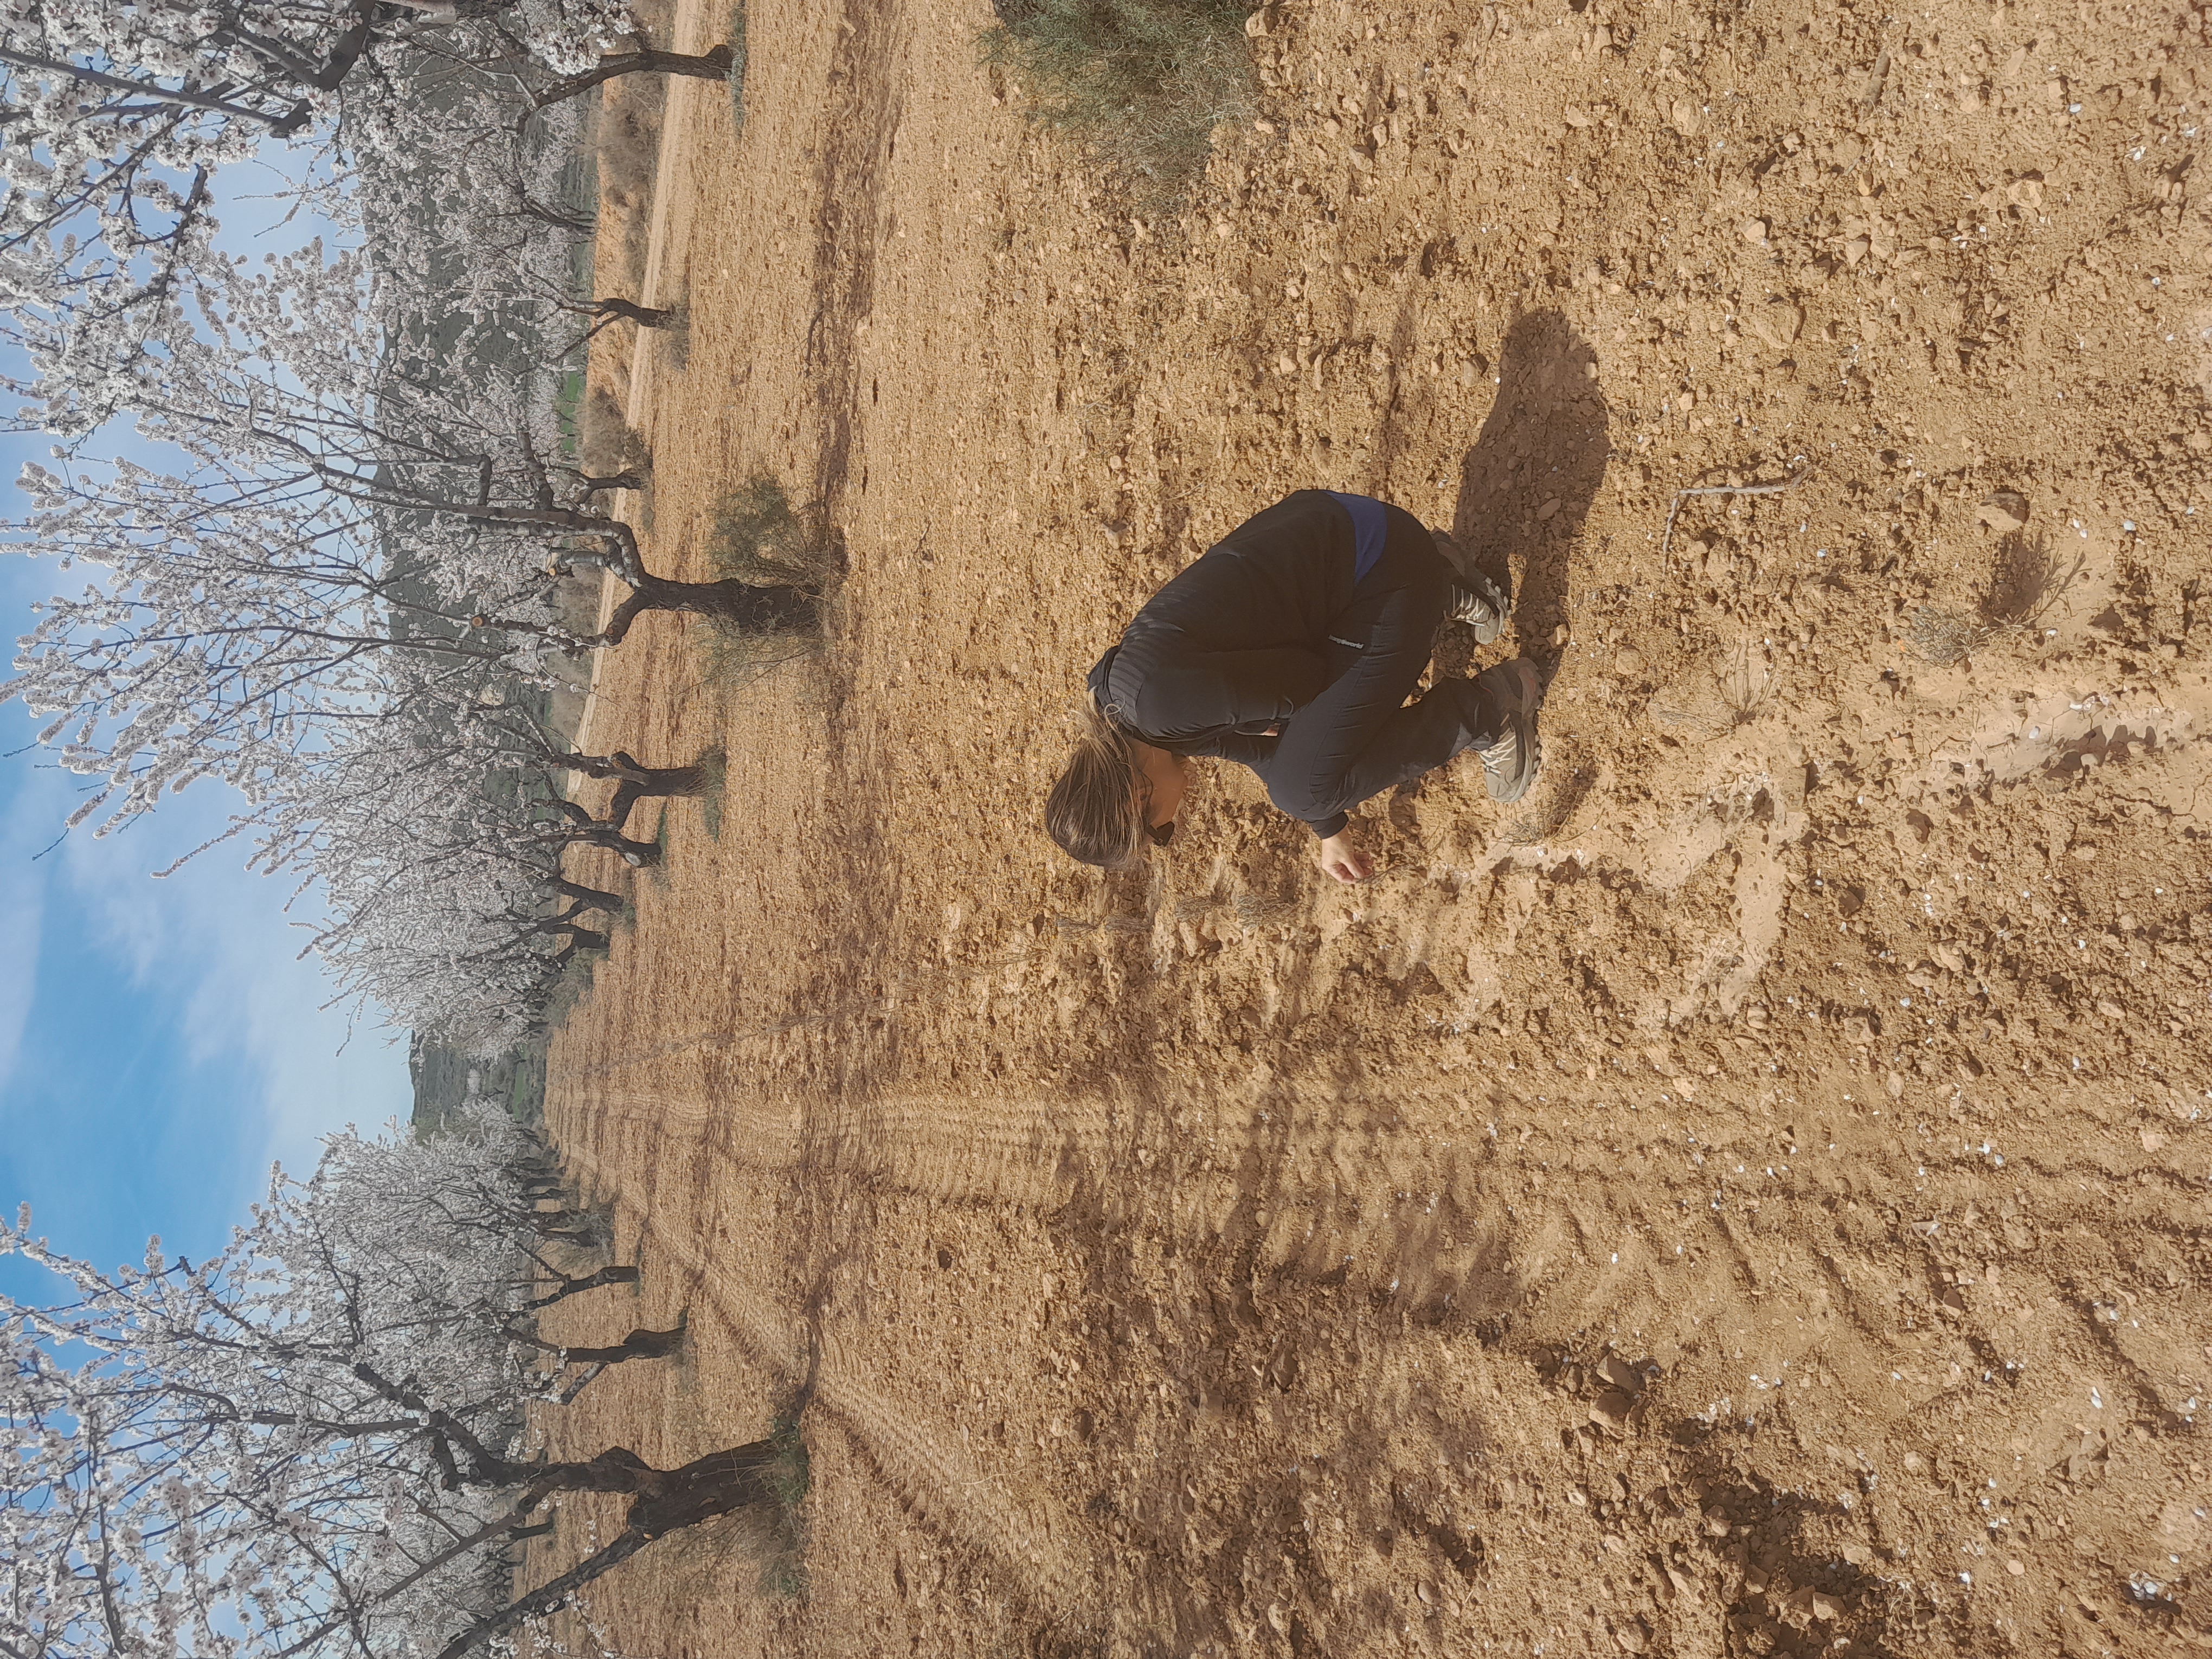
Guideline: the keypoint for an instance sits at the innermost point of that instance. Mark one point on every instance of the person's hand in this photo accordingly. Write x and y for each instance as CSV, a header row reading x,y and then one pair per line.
x,y
1341,857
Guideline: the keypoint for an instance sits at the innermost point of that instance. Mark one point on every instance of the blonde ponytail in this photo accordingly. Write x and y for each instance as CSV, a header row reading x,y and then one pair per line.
x,y
1092,810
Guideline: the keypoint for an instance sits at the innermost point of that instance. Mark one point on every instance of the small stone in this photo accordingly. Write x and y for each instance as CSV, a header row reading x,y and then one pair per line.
x,y
1277,1620
1428,1596
2111,1010
1895,1083
1632,1637
1547,510
1824,1606
1951,957
1856,250
1616,1371
1628,662
1611,1408
2015,1568
2004,511
2151,1138
1754,231
1779,323
1686,118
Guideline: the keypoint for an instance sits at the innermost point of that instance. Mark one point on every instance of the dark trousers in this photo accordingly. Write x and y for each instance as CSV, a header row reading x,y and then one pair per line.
x,y
1359,737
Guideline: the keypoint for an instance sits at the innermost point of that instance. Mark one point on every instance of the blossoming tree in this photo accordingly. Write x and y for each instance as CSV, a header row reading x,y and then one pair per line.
x,y
313,1444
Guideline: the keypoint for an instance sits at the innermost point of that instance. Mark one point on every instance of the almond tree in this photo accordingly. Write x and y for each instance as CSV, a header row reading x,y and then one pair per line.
x,y
118,117
475,1226
290,1449
436,829
343,502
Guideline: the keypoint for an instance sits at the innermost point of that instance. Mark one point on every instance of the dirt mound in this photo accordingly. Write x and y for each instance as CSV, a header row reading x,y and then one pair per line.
x,y
1749,1197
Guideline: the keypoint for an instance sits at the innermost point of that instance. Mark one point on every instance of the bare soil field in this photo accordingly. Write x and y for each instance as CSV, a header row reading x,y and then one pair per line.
x,y
1753,1196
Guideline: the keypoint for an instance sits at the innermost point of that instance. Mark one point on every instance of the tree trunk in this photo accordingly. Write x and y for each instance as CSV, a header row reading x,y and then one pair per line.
x,y
638,1345
593,483
638,854
548,1228
583,830
630,310
719,1483
623,767
713,65
641,782
662,1501
586,898
621,1273
739,605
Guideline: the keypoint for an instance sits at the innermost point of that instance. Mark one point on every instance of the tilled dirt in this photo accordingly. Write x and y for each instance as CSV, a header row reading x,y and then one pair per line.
x,y
1752,1196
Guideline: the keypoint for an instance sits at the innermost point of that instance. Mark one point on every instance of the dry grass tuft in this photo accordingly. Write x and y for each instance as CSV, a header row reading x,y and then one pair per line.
x,y
1945,637
760,536
1562,787
2025,579
1142,82
1743,690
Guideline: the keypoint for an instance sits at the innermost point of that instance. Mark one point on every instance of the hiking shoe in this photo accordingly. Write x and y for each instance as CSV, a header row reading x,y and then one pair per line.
x,y
1509,764
1472,597
1479,604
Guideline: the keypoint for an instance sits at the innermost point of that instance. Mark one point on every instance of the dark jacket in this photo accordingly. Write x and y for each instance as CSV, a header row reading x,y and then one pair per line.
x,y
1238,641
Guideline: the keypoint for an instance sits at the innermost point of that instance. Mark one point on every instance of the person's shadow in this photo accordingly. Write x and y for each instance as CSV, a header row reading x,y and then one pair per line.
x,y
1528,483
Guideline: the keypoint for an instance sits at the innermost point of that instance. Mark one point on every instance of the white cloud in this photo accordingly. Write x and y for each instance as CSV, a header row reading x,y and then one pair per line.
x,y
243,996
19,958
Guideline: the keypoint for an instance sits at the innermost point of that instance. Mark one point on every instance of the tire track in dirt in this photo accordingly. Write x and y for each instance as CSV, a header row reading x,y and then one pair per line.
x,y
1296,1190
1028,1153
860,131
1034,1549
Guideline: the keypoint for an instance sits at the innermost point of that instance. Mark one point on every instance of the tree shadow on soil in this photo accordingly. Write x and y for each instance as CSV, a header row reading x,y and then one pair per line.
x,y
1528,483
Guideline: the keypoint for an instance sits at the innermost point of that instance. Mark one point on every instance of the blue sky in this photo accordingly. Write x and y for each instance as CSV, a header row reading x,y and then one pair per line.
x,y
160,1042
